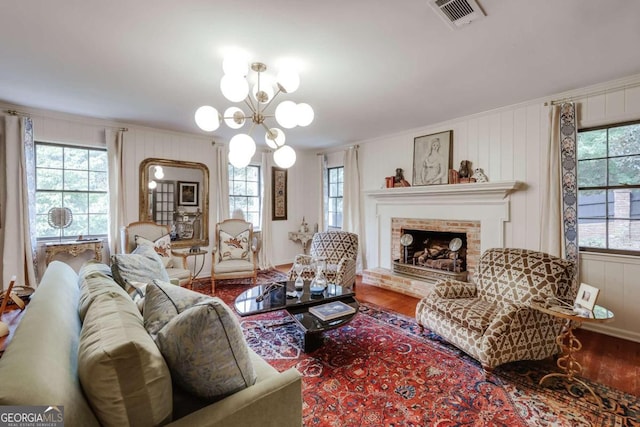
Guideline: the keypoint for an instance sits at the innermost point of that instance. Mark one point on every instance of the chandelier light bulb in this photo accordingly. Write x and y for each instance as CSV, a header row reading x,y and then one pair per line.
x,y
305,114
152,185
242,143
239,159
207,118
284,156
274,138
235,65
234,87
234,117
287,114
288,80
158,172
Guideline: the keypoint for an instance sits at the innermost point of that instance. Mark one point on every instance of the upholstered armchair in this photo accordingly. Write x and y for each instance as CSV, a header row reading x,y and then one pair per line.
x,y
493,320
340,250
157,235
234,252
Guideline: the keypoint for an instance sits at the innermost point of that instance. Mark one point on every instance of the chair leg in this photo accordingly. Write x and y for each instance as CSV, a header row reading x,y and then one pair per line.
x,y
213,286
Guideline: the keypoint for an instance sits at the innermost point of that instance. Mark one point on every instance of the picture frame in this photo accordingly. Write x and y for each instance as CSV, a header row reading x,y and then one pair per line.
x,y
586,296
432,158
279,194
187,193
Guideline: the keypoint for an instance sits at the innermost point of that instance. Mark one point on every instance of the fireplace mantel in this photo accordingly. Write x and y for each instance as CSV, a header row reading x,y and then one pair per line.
x,y
498,189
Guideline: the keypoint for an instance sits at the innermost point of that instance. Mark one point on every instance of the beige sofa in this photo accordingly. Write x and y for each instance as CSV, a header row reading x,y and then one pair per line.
x,y
40,367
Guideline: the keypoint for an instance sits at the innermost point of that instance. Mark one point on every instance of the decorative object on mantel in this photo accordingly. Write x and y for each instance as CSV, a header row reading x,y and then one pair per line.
x,y
454,176
479,175
465,166
235,87
432,158
398,180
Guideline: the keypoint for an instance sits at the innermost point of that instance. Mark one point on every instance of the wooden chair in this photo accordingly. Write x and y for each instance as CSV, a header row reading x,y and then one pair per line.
x,y
4,328
234,252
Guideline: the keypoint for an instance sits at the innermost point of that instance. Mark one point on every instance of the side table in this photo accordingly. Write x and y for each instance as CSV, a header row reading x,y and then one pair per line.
x,y
185,254
568,364
73,248
303,237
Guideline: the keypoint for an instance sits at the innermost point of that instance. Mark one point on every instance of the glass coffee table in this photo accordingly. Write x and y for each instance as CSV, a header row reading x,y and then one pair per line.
x,y
273,296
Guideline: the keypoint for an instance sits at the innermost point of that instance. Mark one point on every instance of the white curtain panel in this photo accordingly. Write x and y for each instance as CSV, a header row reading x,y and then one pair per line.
x,y
18,217
117,188
222,184
551,216
323,192
266,251
351,202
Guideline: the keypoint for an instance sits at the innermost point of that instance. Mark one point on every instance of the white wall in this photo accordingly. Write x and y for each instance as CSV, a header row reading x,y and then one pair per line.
x,y
509,144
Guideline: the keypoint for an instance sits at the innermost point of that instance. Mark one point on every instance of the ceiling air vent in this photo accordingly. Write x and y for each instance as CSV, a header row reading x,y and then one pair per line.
x,y
457,13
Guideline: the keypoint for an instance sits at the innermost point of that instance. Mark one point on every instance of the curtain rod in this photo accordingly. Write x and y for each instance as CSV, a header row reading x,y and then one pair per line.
x,y
16,113
596,93
335,150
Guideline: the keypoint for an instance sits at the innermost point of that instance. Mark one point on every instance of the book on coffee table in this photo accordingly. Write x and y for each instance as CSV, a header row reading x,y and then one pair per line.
x,y
331,310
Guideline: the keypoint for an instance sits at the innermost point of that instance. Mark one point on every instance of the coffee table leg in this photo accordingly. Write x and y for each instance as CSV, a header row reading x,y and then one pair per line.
x,y
312,341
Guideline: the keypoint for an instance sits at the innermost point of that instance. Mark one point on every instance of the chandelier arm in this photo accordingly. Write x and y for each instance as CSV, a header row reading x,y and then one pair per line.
x,y
271,100
249,103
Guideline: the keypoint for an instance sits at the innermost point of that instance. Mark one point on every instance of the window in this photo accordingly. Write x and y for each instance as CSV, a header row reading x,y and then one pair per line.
x,y
335,178
75,178
244,192
609,188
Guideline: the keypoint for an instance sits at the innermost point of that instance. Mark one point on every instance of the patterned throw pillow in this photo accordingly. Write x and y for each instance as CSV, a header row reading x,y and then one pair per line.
x,y
142,265
200,339
163,301
234,247
162,246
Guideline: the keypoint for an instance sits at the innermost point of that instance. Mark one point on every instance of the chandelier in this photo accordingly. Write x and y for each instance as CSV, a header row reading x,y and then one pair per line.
x,y
235,87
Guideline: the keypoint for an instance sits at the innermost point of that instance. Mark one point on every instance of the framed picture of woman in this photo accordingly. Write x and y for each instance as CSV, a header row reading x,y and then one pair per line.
x,y
187,193
432,158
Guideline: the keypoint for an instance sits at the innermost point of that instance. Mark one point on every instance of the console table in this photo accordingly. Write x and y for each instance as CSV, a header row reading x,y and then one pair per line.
x,y
303,237
73,248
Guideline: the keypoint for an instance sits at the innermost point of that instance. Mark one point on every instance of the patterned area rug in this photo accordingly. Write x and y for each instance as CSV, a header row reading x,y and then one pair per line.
x,y
381,370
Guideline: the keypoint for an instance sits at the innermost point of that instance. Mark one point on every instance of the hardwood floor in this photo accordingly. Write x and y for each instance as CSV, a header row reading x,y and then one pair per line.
x,y
607,360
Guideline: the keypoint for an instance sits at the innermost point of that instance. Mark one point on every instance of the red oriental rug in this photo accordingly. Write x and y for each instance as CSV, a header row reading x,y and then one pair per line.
x,y
380,370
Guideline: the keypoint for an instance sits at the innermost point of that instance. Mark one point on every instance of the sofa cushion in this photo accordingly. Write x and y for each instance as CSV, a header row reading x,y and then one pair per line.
x,y
162,246
142,265
200,339
234,247
206,351
163,301
94,279
135,384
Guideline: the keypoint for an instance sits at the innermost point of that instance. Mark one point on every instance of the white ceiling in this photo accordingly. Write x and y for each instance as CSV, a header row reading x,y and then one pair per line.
x,y
368,67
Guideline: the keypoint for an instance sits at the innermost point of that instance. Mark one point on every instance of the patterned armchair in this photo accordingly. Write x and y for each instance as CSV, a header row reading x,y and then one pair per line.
x,y
234,252
340,249
493,320
158,235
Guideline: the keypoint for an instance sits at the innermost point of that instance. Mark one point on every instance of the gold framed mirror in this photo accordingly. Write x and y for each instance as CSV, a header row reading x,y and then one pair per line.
x,y
176,193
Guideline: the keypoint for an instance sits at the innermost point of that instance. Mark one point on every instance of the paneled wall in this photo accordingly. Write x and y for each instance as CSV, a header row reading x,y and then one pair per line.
x,y
510,143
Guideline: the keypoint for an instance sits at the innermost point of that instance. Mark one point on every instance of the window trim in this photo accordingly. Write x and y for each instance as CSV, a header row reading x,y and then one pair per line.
x,y
259,196
47,239
334,227
607,250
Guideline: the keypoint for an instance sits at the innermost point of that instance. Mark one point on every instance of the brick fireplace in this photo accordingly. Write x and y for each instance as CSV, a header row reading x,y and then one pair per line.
x,y
442,231
479,211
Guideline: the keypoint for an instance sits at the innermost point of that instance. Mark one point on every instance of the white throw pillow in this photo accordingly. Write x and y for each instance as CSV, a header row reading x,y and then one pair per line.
x,y
234,247
162,246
